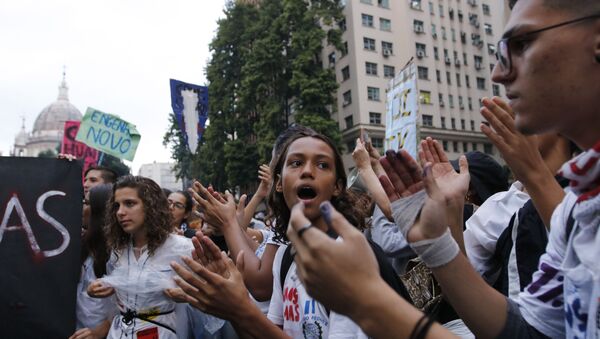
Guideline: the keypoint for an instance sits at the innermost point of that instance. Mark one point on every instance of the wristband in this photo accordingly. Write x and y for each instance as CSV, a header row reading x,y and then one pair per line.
x,y
436,252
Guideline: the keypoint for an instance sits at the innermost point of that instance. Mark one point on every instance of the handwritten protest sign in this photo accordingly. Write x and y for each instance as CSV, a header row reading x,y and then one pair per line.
x,y
40,246
76,148
108,133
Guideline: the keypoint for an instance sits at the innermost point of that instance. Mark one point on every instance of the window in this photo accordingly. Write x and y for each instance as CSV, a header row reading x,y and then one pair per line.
x,y
345,73
460,15
441,10
478,61
488,29
473,127
455,146
491,49
446,54
344,49
476,40
366,2
443,32
463,37
371,68
373,93
458,79
451,13
462,125
445,145
389,71
349,121
488,149
441,99
465,147
443,121
481,83
377,143
453,123
486,9
423,73
496,90
367,20
387,47
492,68
385,24
453,34
415,4
374,118
438,75
331,58
351,145
425,97
421,48
418,26
427,120
474,146
431,8
342,25
467,82
448,79
436,53
369,44
347,98
461,103
470,102
451,101
383,3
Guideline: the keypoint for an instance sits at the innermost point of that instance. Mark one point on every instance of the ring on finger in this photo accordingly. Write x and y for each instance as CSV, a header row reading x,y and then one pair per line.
x,y
304,229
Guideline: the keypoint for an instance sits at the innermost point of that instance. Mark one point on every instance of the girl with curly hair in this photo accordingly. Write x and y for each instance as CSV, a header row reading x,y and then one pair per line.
x,y
139,236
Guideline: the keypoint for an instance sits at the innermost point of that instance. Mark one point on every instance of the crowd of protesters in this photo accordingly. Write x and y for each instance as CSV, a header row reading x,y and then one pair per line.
x,y
424,247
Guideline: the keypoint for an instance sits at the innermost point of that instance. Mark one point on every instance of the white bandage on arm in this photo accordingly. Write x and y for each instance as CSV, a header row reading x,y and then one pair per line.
x,y
438,251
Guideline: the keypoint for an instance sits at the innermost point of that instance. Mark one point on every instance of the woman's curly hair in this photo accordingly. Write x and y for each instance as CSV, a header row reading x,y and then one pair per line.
x,y
157,217
344,202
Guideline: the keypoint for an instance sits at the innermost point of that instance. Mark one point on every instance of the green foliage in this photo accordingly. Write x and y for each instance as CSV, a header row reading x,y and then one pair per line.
x,y
265,64
49,153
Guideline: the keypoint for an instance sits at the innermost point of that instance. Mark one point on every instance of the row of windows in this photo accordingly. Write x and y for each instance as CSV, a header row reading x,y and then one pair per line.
x,y
421,50
371,68
380,3
425,98
373,94
417,5
423,74
384,24
427,120
386,47
374,119
476,39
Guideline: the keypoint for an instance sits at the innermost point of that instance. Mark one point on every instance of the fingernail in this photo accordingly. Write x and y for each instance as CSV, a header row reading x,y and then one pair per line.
x,y
427,171
326,212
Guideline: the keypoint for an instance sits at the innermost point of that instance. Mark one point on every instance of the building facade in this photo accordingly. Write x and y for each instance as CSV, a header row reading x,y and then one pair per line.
x,y
48,128
162,173
452,43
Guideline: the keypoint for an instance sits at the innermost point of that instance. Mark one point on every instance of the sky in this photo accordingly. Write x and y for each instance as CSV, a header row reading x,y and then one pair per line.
x,y
119,57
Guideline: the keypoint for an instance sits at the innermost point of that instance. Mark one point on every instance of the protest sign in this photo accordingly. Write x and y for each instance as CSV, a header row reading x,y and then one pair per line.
x,y
190,105
76,148
40,240
108,133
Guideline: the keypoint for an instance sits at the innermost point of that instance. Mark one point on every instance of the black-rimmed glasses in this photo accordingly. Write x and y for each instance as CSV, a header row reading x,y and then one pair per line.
x,y
503,48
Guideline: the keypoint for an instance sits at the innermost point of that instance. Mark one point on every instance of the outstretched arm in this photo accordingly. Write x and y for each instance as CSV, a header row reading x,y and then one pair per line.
x,y
257,273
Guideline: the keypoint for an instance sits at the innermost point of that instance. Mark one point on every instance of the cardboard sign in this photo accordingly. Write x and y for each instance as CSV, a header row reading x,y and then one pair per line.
x,y
108,133
40,240
190,105
76,148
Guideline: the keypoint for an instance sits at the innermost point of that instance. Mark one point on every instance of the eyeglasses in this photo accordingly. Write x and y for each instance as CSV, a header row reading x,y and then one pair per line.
x,y
176,204
503,48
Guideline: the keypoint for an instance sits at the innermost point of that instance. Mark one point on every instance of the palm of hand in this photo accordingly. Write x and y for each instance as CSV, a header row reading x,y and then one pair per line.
x,y
452,185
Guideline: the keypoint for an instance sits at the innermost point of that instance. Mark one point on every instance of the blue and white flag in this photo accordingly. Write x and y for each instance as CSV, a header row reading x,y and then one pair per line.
x,y
190,105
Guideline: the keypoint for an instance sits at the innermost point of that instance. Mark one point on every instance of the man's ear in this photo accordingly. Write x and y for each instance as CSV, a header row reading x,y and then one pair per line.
x,y
278,184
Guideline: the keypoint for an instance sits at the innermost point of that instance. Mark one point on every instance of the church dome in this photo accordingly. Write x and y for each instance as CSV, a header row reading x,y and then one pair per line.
x,y
53,117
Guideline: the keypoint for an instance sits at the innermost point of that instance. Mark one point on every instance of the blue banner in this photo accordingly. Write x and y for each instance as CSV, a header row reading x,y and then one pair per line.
x,y
190,105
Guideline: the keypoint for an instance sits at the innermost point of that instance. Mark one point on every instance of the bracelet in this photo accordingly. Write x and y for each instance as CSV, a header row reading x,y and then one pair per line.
x,y
417,329
436,252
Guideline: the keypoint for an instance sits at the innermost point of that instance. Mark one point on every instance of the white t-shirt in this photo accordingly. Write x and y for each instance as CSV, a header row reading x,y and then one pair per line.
x,y
300,315
486,225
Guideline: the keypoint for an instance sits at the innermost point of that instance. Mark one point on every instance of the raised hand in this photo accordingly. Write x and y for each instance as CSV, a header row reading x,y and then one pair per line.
x,y
453,186
217,211
404,175
360,155
99,289
325,264
264,174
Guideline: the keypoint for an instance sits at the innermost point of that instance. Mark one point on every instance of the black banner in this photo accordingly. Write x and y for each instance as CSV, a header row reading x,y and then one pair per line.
x,y
40,239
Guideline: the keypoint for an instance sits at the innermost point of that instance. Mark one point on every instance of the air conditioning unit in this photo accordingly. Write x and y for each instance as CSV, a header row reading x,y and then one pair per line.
x,y
448,61
420,54
387,52
434,35
346,103
456,62
442,104
476,24
418,28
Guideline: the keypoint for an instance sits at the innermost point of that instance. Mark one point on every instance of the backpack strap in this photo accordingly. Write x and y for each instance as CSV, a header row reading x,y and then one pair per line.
x,y
286,262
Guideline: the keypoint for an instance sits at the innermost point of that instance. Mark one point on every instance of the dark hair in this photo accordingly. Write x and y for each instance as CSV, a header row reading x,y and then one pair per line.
x,y
189,204
157,217
343,202
94,241
293,129
167,192
108,175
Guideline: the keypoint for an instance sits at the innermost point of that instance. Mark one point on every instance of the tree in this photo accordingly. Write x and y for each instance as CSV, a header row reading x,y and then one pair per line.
x,y
49,153
174,139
